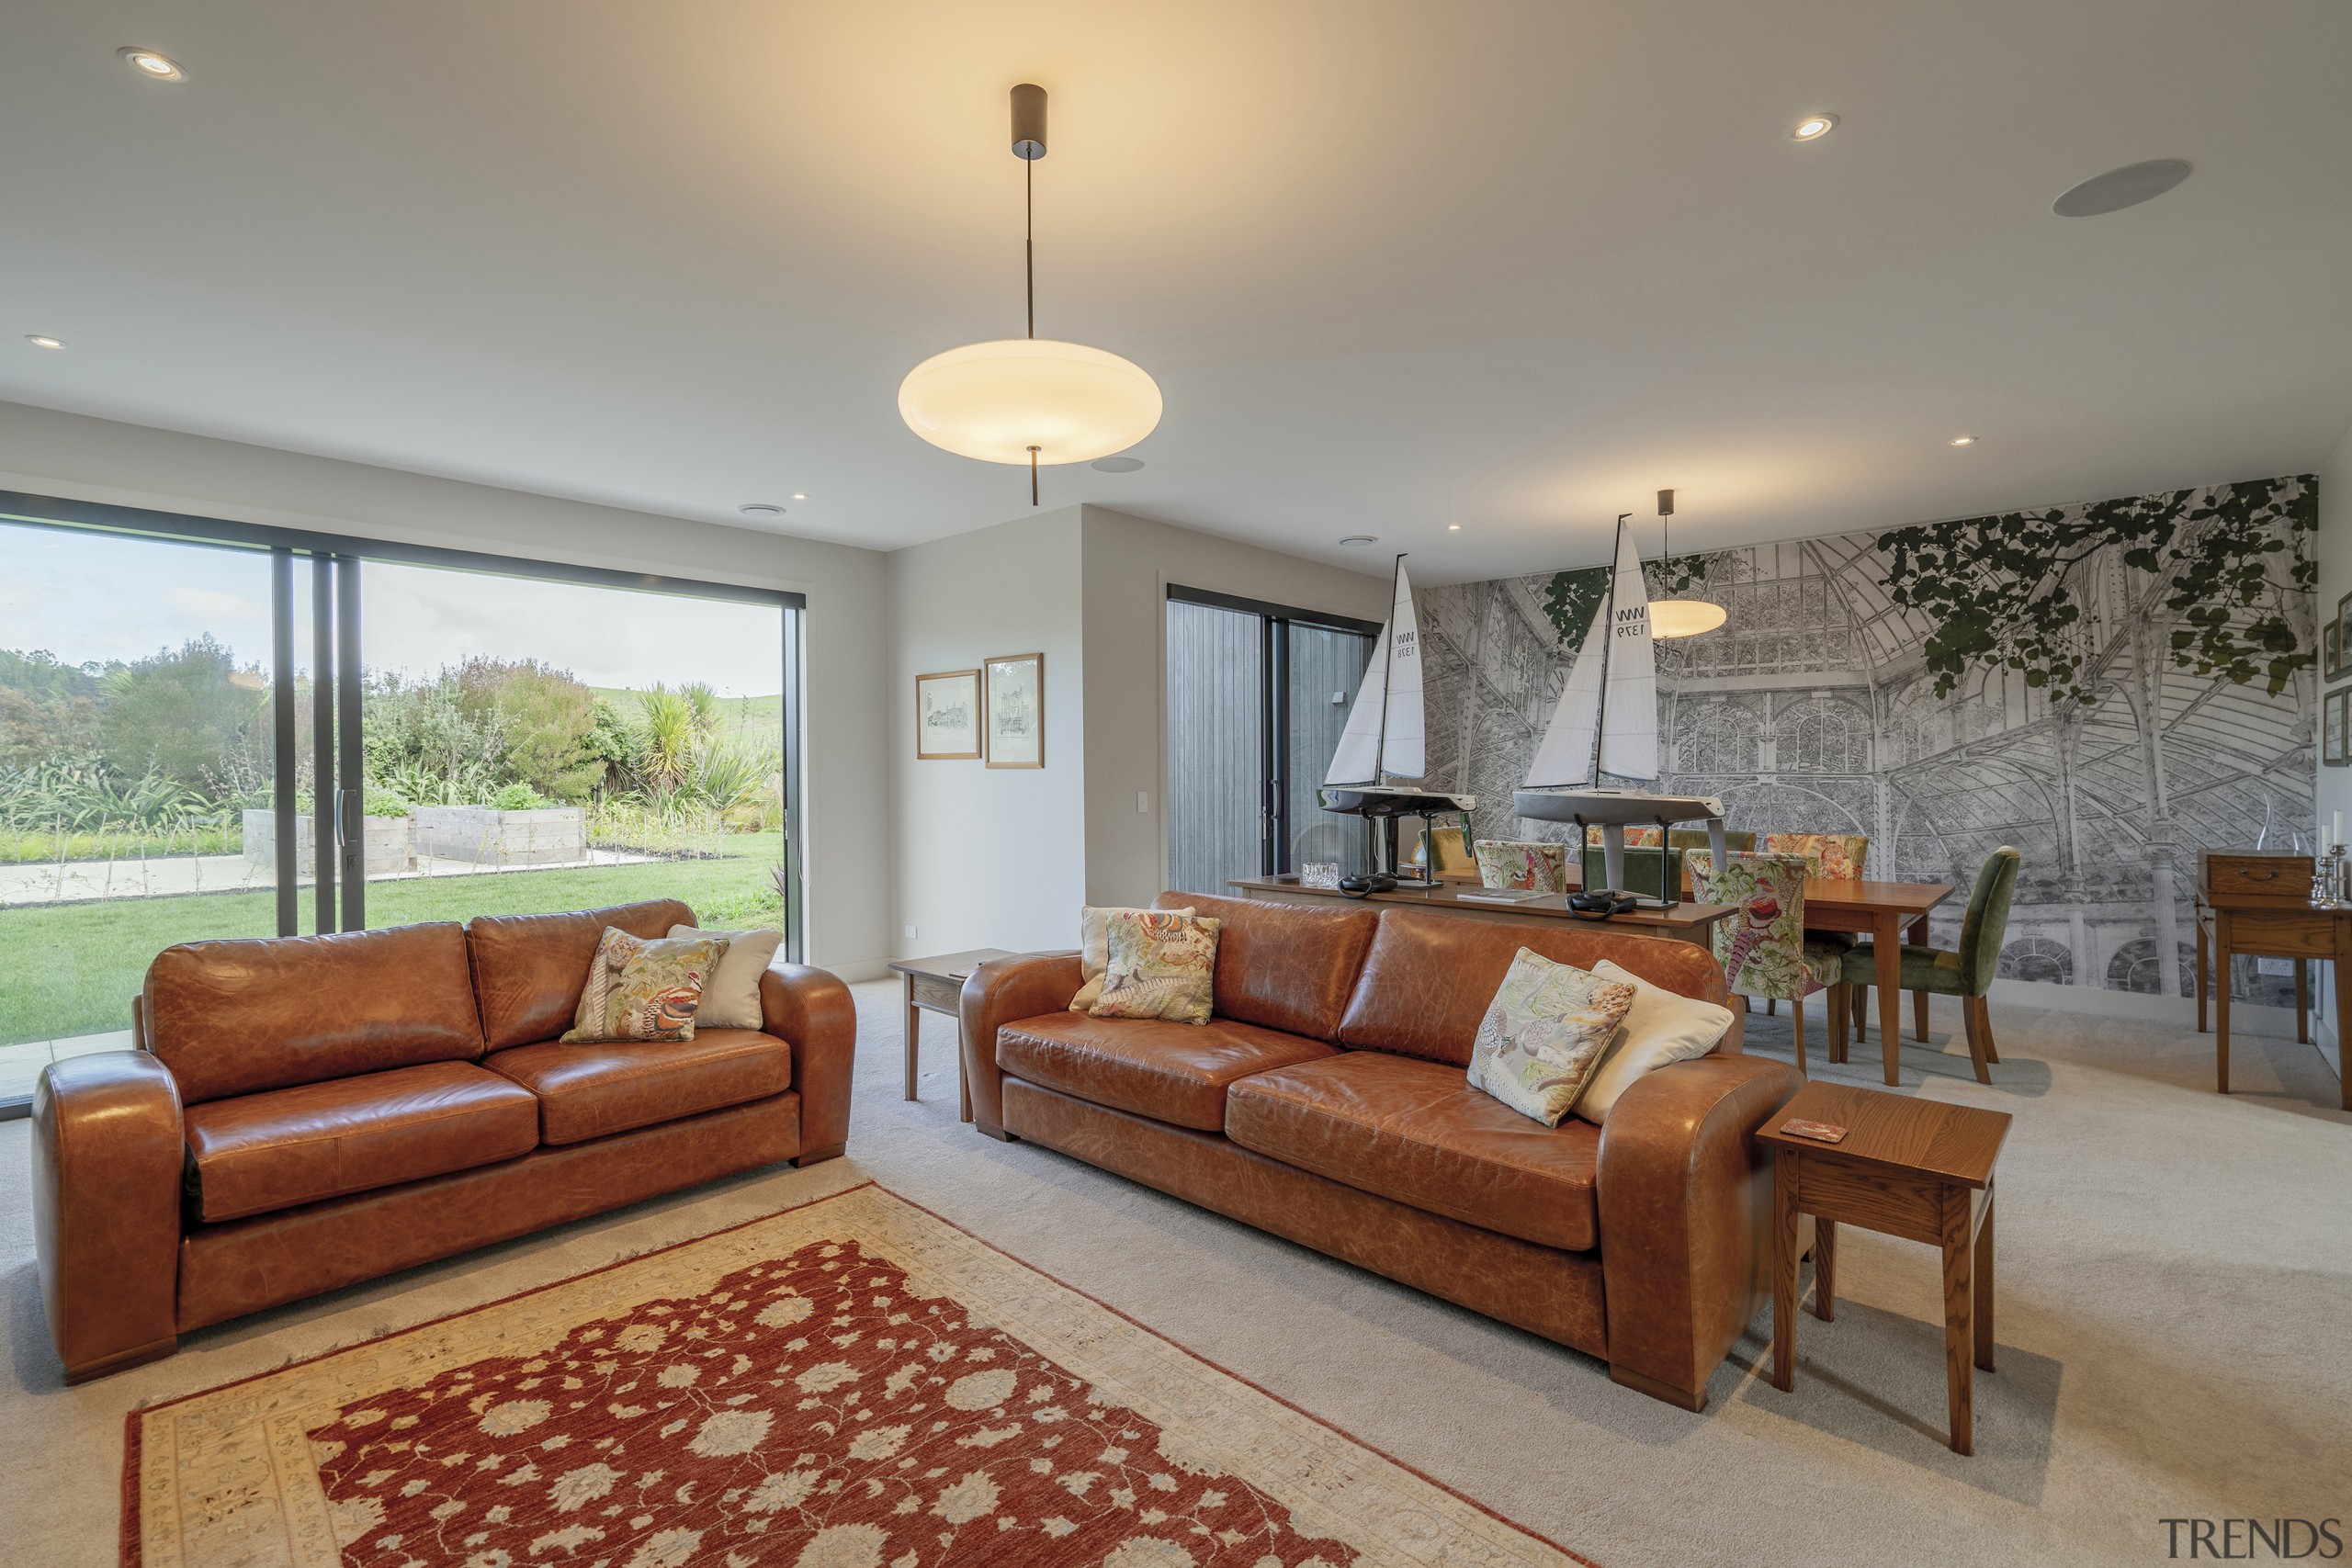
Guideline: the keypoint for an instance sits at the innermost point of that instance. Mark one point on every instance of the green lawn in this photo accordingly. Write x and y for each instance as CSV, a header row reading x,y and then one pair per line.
x,y
72,969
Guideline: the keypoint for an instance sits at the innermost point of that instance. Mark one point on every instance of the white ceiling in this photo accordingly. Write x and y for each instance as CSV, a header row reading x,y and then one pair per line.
x,y
1394,264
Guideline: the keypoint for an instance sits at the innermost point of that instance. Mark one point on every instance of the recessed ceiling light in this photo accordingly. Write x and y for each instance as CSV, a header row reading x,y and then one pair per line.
x,y
153,66
1813,127
1361,540
42,340
1964,441
798,496
1115,465
761,509
2118,188
1453,527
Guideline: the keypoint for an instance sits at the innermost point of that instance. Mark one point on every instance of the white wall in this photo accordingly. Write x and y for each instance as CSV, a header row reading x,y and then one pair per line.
x,y
982,856
1129,564
2334,791
48,452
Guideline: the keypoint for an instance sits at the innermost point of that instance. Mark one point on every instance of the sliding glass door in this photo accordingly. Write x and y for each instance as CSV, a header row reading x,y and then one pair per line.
x,y
255,734
1256,697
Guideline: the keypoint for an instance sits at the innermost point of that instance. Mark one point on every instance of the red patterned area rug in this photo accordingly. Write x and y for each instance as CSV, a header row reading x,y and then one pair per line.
x,y
855,1384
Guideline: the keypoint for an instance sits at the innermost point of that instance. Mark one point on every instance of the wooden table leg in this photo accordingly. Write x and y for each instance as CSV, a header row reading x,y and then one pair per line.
x,y
1888,939
2200,973
1825,1269
2343,1018
914,1036
1960,1331
1919,998
1784,1270
2221,988
2302,1002
1983,1298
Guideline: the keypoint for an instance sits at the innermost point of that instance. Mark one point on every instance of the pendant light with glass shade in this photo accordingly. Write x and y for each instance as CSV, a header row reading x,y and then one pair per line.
x,y
1679,617
1030,399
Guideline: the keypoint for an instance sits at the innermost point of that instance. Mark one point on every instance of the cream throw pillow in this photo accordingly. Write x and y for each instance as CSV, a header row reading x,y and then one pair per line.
x,y
1661,1027
731,997
1161,964
1093,953
1545,1032
643,990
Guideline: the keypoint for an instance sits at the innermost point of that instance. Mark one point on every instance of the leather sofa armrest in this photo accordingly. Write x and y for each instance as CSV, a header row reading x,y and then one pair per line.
x,y
107,1152
999,993
1683,1190
810,1010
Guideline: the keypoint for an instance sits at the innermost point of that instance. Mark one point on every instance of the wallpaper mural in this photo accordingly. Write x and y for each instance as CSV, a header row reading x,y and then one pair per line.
x,y
2108,686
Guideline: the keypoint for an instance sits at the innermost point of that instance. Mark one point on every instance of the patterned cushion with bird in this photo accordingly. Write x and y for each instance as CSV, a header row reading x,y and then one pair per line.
x,y
644,989
1761,946
1545,1034
1158,965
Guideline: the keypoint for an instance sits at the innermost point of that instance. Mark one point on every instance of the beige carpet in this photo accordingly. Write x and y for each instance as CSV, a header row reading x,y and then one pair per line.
x,y
2174,1276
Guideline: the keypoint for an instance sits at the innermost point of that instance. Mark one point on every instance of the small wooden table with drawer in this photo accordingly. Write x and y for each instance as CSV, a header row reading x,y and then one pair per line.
x,y
936,984
2258,905
1917,1168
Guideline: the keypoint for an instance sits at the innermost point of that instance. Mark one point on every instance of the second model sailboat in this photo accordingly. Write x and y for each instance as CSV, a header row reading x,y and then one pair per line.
x,y
1607,723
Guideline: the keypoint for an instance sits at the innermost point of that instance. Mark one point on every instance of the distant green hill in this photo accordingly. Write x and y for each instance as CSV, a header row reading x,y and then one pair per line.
x,y
741,714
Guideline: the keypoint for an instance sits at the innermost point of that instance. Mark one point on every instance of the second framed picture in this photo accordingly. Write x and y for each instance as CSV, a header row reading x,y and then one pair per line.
x,y
2336,728
1013,701
2331,650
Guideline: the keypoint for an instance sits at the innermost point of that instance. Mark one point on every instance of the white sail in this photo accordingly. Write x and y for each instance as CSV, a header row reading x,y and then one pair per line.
x,y
1629,721
1404,749
1357,760
1566,755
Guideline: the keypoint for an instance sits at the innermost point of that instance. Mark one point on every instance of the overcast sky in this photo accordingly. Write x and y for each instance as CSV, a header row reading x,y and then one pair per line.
x,y
93,596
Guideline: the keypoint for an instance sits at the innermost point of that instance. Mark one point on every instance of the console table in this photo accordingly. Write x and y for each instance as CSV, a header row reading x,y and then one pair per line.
x,y
1917,1168
1685,921
2259,906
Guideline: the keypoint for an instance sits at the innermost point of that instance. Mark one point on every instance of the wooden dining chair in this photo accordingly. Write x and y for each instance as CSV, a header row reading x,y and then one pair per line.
x,y
1763,948
1965,971
1831,857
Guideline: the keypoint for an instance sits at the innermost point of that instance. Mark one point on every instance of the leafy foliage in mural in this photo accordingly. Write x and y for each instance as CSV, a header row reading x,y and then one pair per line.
x,y
2006,592
1569,601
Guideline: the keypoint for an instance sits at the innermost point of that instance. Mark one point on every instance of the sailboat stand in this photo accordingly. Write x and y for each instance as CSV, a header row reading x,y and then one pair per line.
x,y
1588,737
1385,740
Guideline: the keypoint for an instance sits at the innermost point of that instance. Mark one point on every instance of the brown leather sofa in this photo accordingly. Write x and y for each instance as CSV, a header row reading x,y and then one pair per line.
x,y
304,1112
1326,1101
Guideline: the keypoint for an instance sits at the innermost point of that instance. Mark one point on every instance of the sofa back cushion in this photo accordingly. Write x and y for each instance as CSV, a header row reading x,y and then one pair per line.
x,y
232,1018
1283,966
1430,978
530,969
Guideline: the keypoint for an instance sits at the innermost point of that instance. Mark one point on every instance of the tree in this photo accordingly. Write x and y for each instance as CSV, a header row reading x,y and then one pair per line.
x,y
2005,591
179,715
545,718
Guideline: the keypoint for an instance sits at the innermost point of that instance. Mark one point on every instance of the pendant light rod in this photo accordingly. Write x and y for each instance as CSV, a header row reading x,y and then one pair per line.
x,y
1029,145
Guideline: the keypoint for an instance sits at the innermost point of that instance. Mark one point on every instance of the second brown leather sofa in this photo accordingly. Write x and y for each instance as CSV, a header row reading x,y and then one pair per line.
x,y
1326,1102
304,1112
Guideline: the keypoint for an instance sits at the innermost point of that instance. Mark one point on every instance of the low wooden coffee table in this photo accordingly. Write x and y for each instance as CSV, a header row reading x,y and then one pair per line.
x,y
936,984
1908,1167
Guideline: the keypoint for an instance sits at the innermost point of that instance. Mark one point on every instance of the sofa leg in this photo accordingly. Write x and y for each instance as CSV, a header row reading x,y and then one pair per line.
x,y
999,1134
1640,1383
818,1156
123,1360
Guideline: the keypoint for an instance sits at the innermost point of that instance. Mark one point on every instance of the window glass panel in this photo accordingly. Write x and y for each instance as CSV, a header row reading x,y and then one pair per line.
x,y
135,748
1216,763
1324,669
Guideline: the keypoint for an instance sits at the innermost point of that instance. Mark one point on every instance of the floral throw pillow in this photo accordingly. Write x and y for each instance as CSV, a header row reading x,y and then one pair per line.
x,y
1094,950
1545,1034
1159,965
641,989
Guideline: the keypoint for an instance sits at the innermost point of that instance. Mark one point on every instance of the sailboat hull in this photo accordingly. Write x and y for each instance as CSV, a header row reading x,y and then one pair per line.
x,y
1604,807
1388,800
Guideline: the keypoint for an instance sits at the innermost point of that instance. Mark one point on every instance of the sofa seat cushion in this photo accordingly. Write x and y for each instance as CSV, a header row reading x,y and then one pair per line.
x,y
1170,1072
590,1091
1416,1131
259,1153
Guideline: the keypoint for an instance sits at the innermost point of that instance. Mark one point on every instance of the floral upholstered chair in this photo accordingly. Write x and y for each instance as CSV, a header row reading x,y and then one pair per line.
x,y
1836,857
1762,946
1529,866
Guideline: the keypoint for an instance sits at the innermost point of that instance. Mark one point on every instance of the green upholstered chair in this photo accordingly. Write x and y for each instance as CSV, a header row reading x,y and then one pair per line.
x,y
1966,973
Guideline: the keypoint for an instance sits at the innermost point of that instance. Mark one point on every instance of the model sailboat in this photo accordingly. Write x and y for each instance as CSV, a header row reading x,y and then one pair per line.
x,y
1384,751
1607,723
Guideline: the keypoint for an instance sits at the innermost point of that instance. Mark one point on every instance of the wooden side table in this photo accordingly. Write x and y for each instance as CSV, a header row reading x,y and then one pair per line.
x,y
936,984
1910,1167
2270,926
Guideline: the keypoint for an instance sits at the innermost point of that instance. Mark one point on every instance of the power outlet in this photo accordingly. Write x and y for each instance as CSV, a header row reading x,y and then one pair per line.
x,y
910,933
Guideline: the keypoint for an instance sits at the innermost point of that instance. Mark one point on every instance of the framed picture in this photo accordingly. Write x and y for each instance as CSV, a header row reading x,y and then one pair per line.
x,y
2335,719
947,714
1014,700
2331,651
2343,623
